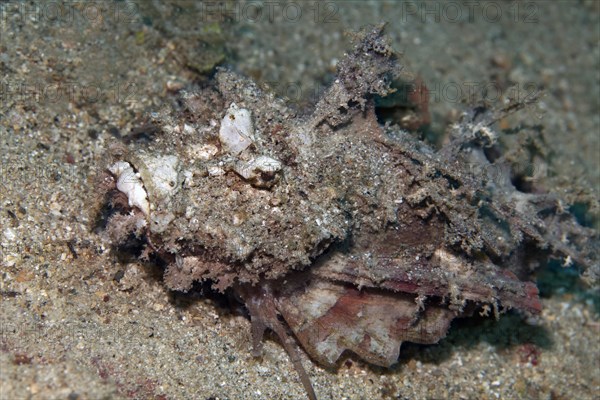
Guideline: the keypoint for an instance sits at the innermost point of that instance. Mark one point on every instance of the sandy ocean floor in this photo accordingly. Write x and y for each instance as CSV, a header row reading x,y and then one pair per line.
x,y
78,322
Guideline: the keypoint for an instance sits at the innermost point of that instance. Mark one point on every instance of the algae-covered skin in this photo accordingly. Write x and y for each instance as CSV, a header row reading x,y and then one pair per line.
x,y
328,185
328,217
